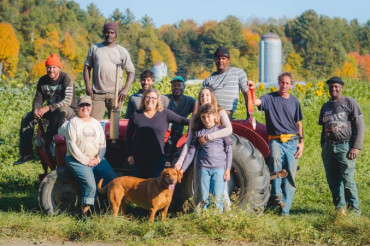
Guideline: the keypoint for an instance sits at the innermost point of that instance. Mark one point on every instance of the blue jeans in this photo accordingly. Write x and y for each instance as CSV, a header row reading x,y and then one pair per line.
x,y
88,176
282,157
340,174
211,180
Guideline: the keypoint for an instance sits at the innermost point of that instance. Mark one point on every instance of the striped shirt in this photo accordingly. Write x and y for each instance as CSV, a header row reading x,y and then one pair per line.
x,y
226,86
56,93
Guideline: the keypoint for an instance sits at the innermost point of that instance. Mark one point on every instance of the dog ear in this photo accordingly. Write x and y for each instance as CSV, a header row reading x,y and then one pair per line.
x,y
162,173
179,176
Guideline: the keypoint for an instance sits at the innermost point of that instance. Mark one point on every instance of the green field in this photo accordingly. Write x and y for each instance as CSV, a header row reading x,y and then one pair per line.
x,y
312,219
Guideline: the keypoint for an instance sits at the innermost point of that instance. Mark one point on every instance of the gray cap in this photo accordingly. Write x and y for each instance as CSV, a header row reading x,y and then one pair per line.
x,y
84,99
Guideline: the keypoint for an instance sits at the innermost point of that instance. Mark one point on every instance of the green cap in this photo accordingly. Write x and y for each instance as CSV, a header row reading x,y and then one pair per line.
x,y
178,78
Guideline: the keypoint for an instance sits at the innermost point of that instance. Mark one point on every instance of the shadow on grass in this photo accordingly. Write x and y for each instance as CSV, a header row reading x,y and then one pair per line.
x,y
300,211
19,200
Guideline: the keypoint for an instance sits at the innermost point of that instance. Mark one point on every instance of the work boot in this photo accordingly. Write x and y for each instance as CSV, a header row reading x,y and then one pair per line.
x,y
23,159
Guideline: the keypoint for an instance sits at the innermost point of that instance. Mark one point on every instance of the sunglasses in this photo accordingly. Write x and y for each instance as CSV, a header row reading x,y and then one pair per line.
x,y
84,105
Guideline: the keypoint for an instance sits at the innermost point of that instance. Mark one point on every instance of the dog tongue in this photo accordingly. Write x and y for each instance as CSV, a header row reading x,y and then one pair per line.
x,y
171,187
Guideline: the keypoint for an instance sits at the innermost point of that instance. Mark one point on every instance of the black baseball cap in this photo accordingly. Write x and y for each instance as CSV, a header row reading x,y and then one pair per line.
x,y
335,79
222,51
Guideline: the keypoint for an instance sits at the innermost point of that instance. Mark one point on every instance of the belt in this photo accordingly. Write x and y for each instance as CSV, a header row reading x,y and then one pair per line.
x,y
337,142
283,137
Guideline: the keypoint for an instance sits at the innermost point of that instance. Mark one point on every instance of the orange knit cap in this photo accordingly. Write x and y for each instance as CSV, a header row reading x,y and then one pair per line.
x,y
53,60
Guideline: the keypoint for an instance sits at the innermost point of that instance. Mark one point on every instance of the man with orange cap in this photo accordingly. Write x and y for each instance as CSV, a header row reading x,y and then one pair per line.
x,y
104,59
57,89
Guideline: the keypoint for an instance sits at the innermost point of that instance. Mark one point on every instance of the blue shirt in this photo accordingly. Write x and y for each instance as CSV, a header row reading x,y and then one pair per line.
x,y
281,114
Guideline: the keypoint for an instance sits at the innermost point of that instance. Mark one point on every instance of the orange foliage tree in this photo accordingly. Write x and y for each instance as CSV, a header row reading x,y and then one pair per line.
x,y
9,49
294,64
68,47
155,56
201,73
38,69
47,43
355,66
350,67
251,40
363,65
141,58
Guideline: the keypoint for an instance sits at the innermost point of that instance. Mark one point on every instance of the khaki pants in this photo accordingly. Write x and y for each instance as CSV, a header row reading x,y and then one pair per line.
x,y
102,101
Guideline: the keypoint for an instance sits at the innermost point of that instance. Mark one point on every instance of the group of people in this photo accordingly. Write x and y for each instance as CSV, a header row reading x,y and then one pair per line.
x,y
150,114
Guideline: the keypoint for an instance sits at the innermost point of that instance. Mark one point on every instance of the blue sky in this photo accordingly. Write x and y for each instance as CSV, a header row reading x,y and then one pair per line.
x,y
172,11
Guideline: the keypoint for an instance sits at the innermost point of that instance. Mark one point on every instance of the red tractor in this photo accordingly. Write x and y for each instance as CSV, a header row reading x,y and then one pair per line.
x,y
250,177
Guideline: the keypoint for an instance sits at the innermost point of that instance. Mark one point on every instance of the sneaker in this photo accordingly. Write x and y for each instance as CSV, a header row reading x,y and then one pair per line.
x,y
23,159
40,142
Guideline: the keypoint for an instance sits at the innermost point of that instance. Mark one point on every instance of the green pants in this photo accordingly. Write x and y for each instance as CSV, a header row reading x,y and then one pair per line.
x,y
340,174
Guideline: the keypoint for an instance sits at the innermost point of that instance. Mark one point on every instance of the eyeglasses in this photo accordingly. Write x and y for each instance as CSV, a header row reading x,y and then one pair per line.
x,y
84,105
150,98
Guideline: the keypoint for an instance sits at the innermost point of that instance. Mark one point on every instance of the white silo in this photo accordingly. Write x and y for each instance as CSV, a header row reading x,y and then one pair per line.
x,y
270,58
160,70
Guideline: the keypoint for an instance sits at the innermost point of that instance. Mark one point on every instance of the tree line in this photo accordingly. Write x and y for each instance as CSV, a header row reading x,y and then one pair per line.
x,y
314,46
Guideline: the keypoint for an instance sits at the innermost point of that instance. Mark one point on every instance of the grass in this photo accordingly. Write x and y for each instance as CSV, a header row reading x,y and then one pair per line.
x,y
312,219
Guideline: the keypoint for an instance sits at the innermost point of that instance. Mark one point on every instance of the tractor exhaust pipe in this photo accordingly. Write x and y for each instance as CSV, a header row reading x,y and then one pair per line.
x,y
115,112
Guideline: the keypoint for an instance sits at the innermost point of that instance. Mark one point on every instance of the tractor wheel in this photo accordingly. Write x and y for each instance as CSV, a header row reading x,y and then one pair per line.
x,y
60,192
250,178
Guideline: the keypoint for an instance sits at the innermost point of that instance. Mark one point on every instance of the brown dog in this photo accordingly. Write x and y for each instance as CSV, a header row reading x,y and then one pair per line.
x,y
151,194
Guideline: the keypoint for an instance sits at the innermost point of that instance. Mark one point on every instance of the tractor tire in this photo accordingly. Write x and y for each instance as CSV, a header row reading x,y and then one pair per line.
x,y
60,192
250,179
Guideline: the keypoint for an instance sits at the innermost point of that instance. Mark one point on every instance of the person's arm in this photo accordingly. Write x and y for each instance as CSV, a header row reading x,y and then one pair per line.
x,y
226,131
358,141
184,150
72,146
124,91
130,131
38,109
245,95
69,93
322,138
102,143
38,100
87,79
189,156
175,118
256,102
300,145
229,157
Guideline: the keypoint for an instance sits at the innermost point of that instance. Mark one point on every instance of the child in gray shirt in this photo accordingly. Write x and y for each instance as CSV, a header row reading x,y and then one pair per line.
x,y
215,157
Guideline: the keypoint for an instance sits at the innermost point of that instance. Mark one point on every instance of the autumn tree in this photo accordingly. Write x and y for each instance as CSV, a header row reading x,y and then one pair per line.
x,y
68,47
9,49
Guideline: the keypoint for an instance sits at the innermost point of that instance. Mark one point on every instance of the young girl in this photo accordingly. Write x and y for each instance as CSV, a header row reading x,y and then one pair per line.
x,y
206,95
214,156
